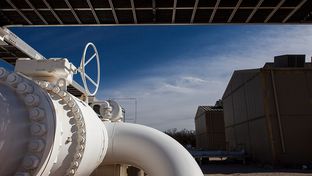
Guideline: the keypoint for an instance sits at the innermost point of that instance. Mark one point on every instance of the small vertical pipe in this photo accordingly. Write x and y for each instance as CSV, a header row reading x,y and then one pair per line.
x,y
278,111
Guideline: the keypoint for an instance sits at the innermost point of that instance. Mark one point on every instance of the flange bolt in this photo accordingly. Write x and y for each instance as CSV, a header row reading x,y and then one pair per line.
x,y
24,88
13,79
36,114
32,100
36,145
30,162
38,129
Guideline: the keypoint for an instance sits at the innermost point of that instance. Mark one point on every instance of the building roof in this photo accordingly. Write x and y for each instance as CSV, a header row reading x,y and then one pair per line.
x,y
204,109
240,77
211,108
113,12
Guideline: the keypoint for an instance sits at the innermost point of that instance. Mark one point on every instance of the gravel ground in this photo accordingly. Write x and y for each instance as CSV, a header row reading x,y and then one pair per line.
x,y
253,170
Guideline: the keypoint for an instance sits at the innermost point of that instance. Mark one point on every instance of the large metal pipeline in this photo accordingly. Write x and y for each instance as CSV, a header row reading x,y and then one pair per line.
x,y
44,130
148,149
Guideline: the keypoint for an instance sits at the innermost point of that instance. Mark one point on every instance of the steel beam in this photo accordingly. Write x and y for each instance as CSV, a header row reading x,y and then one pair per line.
x,y
194,11
234,11
53,12
93,12
274,11
73,11
19,12
145,8
254,11
154,10
113,11
174,11
135,20
294,11
36,11
214,11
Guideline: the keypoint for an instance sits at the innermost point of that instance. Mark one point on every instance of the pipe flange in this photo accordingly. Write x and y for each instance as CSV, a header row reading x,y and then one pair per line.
x,y
38,123
73,112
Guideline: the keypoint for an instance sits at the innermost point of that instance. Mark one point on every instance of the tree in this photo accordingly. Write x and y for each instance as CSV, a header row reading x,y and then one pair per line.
x,y
184,137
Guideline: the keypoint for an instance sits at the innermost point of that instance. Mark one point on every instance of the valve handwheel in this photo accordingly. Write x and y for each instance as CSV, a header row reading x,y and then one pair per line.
x,y
82,70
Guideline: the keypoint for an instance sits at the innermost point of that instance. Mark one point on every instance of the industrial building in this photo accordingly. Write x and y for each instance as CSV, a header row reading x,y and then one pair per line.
x,y
268,111
209,126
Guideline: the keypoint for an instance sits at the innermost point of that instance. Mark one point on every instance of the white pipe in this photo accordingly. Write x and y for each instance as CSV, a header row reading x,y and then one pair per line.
x,y
149,149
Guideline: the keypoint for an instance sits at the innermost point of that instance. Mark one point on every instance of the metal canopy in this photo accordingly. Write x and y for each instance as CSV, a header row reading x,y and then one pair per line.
x,y
13,48
112,12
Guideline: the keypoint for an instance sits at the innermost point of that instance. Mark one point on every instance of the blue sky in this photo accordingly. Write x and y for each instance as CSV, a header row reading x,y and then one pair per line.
x,y
169,69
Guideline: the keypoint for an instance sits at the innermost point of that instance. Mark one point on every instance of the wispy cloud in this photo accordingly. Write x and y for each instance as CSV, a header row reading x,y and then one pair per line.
x,y
168,96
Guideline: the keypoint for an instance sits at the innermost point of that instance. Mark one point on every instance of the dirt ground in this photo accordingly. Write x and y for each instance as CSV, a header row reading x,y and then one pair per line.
x,y
220,169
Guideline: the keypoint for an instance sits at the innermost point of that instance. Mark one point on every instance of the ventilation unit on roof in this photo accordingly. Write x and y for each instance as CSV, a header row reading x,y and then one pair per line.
x,y
289,60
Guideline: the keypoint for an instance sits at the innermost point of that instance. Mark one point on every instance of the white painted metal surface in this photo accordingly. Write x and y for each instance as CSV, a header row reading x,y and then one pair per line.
x,y
47,131
47,70
149,149
7,37
44,130
82,70
26,125
108,110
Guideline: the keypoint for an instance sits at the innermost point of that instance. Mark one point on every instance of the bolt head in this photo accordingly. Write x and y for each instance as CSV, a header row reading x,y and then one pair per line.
x,y
56,89
62,93
32,100
36,114
38,129
30,162
78,156
36,145
24,88
71,103
13,79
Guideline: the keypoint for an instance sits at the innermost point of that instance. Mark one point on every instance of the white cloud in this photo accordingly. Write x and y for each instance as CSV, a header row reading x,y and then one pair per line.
x,y
169,95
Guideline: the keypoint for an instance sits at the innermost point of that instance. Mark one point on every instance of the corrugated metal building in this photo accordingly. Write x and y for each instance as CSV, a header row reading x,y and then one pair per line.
x,y
268,111
209,126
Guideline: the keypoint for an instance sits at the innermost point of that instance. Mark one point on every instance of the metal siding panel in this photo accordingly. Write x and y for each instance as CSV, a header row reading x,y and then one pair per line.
x,y
268,92
297,135
242,137
216,141
260,144
202,141
218,122
228,89
201,124
254,98
230,138
228,111
293,93
236,80
239,104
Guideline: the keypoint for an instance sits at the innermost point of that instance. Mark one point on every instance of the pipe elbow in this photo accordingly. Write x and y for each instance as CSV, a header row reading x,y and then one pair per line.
x,y
149,149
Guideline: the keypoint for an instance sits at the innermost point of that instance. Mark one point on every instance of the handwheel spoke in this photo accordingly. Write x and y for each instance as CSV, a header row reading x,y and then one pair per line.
x,y
91,58
91,80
